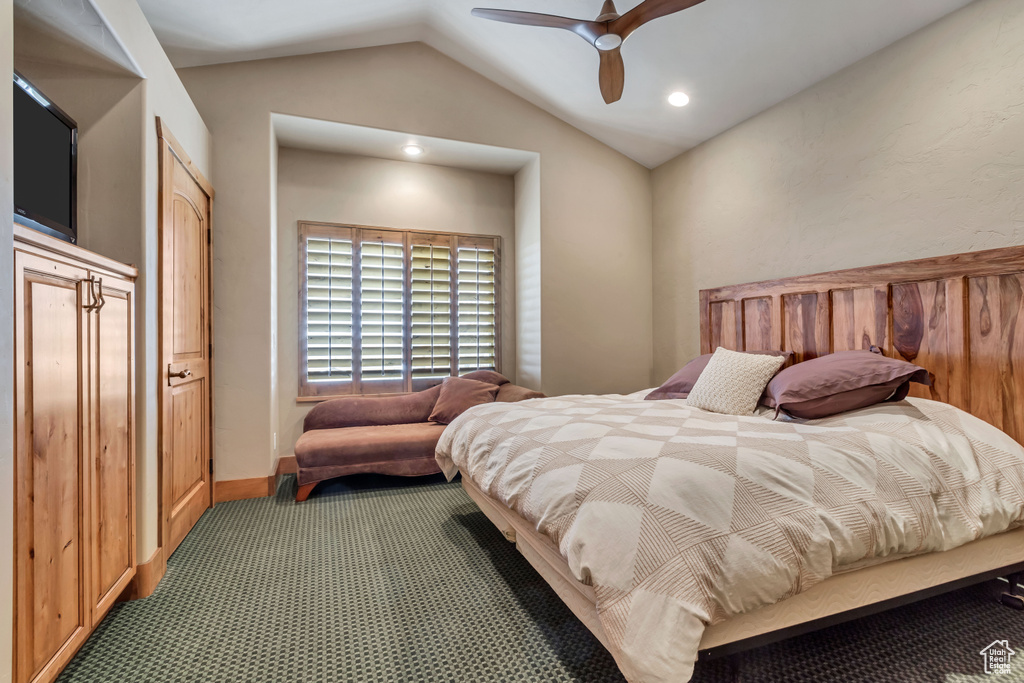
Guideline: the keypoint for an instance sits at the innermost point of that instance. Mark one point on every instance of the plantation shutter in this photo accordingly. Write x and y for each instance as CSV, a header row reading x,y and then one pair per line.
x,y
477,305
382,308
431,314
390,311
328,310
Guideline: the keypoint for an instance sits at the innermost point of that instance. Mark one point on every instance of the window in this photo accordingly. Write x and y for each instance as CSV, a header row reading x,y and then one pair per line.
x,y
388,311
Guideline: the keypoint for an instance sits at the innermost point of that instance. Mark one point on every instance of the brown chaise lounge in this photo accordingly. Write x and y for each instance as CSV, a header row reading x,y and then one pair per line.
x,y
380,434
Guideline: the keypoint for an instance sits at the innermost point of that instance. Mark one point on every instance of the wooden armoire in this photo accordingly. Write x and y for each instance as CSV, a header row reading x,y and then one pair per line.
x,y
74,447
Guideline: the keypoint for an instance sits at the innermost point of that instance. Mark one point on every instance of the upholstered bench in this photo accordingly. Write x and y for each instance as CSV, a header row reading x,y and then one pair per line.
x,y
385,434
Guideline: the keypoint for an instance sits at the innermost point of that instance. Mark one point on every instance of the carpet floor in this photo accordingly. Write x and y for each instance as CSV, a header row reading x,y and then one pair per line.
x,y
384,579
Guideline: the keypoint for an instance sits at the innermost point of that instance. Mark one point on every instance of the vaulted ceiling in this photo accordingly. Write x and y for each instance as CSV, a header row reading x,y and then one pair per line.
x,y
734,58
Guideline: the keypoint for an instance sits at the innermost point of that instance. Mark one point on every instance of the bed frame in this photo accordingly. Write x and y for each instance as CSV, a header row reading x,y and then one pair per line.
x,y
961,317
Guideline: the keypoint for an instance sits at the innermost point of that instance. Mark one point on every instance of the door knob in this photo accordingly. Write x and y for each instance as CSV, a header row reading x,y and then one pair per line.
x,y
180,375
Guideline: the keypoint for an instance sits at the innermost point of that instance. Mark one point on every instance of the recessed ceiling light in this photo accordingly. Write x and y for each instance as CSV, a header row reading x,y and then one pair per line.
x,y
679,99
413,150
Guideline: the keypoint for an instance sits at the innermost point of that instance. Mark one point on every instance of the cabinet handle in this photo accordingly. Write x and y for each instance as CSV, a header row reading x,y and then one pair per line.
x,y
180,375
96,291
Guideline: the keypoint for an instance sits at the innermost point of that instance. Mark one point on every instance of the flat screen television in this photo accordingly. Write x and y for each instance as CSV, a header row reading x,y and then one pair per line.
x,y
45,163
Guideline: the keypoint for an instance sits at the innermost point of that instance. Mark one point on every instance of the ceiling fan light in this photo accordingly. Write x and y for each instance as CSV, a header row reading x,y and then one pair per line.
x,y
412,150
679,99
609,41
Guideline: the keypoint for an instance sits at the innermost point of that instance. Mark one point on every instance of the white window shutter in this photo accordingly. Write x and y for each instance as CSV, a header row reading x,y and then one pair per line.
x,y
477,307
391,311
328,310
431,311
382,314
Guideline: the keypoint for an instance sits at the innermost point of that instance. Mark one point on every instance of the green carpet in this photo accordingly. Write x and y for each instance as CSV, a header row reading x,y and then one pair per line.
x,y
386,579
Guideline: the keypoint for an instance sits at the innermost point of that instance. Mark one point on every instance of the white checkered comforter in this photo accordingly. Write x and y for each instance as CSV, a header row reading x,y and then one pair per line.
x,y
680,518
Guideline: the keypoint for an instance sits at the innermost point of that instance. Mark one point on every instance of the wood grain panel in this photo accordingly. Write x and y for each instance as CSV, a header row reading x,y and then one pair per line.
x,y
724,331
757,324
185,201
970,264
928,330
65,431
56,545
187,419
805,325
113,526
958,316
51,572
996,339
860,318
188,241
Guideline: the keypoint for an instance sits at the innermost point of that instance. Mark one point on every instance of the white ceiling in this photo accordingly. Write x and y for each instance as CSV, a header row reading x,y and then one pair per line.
x,y
344,138
77,23
735,58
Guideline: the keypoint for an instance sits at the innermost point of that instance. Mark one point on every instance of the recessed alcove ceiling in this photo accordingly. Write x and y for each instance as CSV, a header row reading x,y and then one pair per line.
x,y
734,58
342,138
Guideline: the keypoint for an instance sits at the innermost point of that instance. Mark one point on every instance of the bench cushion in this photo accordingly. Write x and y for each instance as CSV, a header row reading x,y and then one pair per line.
x,y
402,449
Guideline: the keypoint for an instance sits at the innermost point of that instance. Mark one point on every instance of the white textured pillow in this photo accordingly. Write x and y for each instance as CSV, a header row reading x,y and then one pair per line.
x,y
733,382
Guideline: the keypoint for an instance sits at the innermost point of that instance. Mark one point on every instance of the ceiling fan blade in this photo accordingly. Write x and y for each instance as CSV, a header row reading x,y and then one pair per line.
x,y
588,30
612,75
647,11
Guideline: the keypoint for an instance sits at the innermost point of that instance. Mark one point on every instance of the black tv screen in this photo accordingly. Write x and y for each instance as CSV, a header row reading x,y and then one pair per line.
x,y
44,163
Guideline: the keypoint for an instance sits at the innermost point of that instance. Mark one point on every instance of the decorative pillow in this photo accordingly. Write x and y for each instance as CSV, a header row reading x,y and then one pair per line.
x,y
680,384
733,382
841,381
488,376
459,394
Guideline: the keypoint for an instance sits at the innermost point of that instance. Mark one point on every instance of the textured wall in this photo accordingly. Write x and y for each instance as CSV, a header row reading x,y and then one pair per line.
x,y
335,188
915,151
595,255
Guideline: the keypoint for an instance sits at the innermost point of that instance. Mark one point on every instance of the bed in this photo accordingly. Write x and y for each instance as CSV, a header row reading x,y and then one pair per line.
x,y
958,316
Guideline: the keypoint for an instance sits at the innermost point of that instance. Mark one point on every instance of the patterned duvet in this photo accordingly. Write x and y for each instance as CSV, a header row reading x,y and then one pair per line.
x,y
679,518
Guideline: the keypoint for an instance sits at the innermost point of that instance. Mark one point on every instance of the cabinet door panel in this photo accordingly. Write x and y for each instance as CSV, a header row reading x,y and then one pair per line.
x,y
52,616
113,530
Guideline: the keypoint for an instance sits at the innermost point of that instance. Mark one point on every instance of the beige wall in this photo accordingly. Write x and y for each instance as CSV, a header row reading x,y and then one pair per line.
x,y
166,97
116,112
915,151
6,347
595,208
337,188
529,342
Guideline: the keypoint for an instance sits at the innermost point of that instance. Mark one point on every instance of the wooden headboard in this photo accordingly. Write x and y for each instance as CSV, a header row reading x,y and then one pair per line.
x,y
958,316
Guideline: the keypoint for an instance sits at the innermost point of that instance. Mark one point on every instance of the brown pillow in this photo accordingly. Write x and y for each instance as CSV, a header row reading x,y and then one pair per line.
x,y
489,376
680,384
458,395
841,381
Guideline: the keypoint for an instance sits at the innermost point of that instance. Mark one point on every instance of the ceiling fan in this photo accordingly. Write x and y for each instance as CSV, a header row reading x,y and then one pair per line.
x,y
606,33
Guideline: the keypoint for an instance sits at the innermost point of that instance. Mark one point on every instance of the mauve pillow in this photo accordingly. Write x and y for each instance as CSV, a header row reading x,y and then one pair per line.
x,y
459,394
680,384
489,376
841,381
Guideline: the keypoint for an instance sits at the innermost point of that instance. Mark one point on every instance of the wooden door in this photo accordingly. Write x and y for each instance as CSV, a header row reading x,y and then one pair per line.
x,y
112,414
52,615
186,432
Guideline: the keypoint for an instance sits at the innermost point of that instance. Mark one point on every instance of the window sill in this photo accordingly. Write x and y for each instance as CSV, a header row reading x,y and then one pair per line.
x,y
321,399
